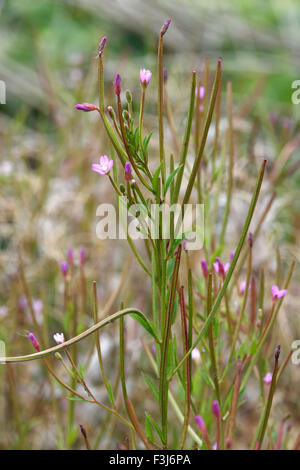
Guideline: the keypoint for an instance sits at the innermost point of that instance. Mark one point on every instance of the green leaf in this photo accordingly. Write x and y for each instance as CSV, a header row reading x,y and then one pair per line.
x,y
155,179
170,179
208,378
76,399
145,324
156,426
110,394
152,387
81,370
148,429
171,356
170,268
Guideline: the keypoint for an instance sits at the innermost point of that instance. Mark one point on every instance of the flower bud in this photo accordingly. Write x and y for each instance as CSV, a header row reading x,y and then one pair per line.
x,y
215,408
101,45
165,26
64,268
128,96
34,342
86,107
111,112
127,170
117,85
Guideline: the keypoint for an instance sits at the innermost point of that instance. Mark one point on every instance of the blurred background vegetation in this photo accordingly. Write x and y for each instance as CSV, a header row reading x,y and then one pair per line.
x,y
48,196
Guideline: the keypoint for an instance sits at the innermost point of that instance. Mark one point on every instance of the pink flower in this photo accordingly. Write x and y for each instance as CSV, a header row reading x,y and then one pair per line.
x,y
277,294
59,338
105,165
86,107
117,85
268,378
145,77
34,342
221,268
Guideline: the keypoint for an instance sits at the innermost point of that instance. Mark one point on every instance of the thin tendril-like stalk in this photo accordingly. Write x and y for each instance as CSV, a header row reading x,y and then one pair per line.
x,y
97,337
204,135
231,268
186,139
266,414
211,342
230,164
187,376
128,404
160,102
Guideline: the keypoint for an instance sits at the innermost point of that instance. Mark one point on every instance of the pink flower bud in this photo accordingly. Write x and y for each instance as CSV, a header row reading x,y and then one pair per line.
x,y
117,85
64,267
215,408
101,45
34,342
204,268
165,26
200,423
127,170
86,107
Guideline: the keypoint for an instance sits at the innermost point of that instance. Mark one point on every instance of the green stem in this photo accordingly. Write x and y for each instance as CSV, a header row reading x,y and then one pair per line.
x,y
204,135
231,268
186,139
163,380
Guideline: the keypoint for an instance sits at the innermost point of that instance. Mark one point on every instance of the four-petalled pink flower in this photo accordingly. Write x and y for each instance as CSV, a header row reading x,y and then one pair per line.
x,y
277,293
59,338
104,166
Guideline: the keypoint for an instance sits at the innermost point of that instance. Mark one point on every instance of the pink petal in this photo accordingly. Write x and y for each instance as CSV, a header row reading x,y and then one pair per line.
x,y
281,293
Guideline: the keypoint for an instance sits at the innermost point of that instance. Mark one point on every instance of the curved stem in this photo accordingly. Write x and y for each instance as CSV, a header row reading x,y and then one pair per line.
x,y
84,334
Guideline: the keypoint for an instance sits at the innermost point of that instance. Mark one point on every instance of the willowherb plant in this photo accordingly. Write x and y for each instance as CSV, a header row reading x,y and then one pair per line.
x,y
207,334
